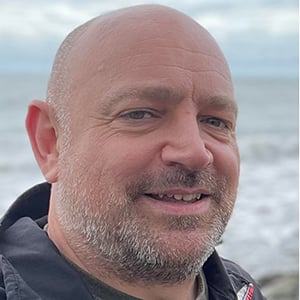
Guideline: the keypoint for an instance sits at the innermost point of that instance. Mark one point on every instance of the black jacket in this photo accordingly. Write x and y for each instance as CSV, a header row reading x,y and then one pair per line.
x,y
31,267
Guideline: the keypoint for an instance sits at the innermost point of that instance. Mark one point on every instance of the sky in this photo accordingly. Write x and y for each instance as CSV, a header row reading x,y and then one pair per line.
x,y
258,37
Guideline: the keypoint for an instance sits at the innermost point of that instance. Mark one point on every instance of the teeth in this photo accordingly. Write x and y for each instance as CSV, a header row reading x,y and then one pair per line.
x,y
188,197
179,197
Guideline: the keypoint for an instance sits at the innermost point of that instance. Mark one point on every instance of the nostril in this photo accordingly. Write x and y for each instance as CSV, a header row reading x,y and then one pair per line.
x,y
191,156
210,156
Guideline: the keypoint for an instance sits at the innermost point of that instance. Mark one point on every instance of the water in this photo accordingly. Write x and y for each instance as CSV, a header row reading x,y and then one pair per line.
x,y
263,233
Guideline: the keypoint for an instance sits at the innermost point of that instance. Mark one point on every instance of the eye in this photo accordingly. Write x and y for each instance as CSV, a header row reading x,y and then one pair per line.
x,y
138,115
216,122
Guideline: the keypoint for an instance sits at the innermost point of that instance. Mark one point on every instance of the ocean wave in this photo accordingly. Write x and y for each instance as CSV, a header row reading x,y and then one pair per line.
x,y
267,147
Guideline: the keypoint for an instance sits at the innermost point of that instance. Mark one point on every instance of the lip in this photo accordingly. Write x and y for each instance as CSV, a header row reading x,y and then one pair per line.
x,y
181,191
179,207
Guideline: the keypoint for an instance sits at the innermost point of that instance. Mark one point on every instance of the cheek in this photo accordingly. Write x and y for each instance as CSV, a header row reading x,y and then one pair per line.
x,y
227,162
120,157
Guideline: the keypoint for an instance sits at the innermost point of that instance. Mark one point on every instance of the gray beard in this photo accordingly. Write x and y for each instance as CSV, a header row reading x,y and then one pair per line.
x,y
119,243
133,256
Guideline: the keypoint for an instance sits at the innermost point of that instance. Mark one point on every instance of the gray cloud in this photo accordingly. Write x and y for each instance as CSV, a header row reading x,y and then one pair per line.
x,y
257,36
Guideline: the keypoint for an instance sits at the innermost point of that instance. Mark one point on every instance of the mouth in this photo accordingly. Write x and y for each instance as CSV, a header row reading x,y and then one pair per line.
x,y
178,198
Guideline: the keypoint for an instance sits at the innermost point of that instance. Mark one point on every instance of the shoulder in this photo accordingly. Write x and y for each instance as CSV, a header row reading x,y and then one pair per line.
x,y
242,281
227,280
12,286
234,269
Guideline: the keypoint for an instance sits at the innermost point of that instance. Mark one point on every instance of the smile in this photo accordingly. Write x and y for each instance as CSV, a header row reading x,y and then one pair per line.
x,y
190,198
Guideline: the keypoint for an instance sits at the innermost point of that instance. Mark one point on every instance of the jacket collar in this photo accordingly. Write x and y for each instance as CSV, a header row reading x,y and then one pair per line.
x,y
34,203
35,258
218,282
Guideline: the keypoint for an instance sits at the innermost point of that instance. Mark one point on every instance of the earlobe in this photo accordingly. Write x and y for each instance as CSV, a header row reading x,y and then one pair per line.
x,y
43,138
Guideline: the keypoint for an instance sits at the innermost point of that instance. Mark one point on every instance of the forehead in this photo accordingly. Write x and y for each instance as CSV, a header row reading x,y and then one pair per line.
x,y
123,37
179,54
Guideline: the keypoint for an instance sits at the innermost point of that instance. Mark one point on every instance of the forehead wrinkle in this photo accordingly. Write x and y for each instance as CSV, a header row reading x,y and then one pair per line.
x,y
159,93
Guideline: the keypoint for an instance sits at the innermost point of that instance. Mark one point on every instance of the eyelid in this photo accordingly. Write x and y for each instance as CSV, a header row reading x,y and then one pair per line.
x,y
227,124
153,113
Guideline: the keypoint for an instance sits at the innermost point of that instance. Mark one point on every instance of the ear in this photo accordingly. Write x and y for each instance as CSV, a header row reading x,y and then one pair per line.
x,y
43,138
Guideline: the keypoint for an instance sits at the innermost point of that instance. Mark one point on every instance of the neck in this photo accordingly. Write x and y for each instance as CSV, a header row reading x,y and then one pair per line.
x,y
142,290
184,291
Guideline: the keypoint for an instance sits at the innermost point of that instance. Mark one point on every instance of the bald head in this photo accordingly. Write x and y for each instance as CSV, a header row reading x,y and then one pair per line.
x,y
100,46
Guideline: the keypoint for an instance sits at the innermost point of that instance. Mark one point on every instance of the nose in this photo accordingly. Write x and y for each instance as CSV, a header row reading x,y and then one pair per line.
x,y
186,147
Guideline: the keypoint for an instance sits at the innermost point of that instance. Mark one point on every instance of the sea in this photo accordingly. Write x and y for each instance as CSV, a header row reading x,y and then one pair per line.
x,y
262,234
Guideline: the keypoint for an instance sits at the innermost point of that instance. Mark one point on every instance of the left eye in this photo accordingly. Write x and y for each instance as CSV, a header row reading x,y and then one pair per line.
x,y
216,122
138,115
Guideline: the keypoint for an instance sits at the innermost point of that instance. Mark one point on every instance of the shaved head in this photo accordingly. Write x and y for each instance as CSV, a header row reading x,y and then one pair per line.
x,y
99,44
58,92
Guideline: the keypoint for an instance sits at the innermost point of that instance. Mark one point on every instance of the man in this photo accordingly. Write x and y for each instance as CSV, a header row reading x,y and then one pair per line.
x,y
137,140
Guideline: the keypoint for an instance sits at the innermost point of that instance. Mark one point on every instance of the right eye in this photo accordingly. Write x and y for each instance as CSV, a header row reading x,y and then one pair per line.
x,y
138,115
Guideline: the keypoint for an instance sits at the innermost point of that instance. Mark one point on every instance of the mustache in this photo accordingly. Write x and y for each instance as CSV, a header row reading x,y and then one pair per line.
x,y
177,177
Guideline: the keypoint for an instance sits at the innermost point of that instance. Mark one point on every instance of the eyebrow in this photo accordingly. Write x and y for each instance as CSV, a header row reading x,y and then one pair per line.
x,y
164,93
149,93
221,103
